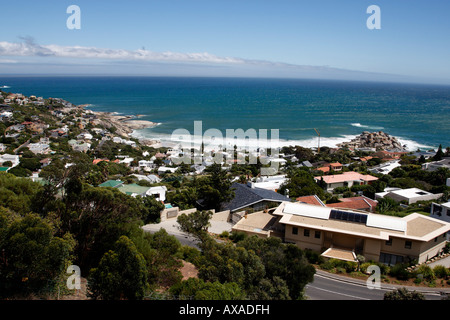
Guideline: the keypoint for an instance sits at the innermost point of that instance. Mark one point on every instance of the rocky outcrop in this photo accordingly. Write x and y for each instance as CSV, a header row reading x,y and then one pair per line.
x,y
376,140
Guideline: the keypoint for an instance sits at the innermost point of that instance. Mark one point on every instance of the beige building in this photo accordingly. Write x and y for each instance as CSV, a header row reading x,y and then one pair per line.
x,y
343,234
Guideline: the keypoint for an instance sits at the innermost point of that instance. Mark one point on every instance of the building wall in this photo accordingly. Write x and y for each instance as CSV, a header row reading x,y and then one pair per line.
x,y
372,248
303,241
431,248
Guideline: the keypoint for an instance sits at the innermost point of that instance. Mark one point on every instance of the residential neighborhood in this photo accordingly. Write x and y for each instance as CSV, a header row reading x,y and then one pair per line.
x,y
343,204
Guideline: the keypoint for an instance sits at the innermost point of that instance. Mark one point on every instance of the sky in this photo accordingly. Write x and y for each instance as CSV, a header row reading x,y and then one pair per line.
x,y
266,38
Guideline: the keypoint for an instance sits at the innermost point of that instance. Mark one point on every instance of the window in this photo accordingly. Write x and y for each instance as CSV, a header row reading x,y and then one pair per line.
x,y
388,242
408,244
294,230
306,232
390,259
317,235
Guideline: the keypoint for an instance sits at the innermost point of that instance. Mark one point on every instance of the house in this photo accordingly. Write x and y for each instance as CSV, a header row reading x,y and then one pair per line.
x,y
111,184
386,167
269,182
440,211
39,148
336,166
84,136
346,179
315,200
150,178
343,234
133,190
435,165
247,197
163,169
388,155
355,203
79,145
159,192
410,195
14,159
2,147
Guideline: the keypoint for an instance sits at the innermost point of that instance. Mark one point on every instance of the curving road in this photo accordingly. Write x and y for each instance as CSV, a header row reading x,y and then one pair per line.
x,y
331,287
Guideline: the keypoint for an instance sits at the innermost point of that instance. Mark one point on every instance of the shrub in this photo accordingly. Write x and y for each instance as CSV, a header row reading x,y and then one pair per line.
x,y
441,272
426,272
224,234
313,257
237,236
363,267
399,271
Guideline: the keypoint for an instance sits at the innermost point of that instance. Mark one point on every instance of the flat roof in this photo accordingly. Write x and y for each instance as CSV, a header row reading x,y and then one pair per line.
x,y
414,226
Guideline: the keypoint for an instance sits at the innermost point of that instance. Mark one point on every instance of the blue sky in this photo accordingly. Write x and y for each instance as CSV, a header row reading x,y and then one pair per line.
x,y
322,38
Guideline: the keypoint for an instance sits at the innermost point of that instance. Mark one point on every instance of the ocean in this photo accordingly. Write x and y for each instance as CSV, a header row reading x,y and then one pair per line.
x,y
418,115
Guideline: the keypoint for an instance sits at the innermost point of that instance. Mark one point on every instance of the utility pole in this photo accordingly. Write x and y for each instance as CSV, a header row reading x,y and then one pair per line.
x,y
318,133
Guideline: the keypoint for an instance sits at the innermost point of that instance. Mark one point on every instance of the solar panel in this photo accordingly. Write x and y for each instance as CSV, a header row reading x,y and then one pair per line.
x,y
348,216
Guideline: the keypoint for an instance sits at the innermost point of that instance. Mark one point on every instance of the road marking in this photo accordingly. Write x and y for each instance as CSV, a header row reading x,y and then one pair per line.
x,y
339,293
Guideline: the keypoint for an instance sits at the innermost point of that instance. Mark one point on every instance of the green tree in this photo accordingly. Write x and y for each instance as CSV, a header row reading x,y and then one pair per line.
x,y
32,256
97,217
153,208
121,273
216,188
439,154
198,289
196,223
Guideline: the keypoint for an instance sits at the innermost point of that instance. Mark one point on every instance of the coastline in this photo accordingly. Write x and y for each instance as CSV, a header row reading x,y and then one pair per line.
x,y
125,124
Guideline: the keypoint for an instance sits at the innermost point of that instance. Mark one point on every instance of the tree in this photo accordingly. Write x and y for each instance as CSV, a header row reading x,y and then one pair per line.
x,y
439,154
403,294
32,256
97,217
301,183
198,289
387,204
121,273
216,188
196,223
153,208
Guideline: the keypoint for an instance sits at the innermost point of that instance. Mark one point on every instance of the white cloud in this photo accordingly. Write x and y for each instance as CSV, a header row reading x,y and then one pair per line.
x,y
28,48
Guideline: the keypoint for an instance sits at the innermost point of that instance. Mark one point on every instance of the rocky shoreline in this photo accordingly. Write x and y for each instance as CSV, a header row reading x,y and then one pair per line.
x,y
125,125
375,140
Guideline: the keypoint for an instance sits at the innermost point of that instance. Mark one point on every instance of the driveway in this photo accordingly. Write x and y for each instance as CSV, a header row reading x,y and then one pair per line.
x,y
171,226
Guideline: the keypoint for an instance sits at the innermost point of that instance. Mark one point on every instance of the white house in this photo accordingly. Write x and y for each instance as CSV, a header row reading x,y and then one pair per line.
x,y
85,136
410,195
39,148
162,170
385,168
15,160
159,192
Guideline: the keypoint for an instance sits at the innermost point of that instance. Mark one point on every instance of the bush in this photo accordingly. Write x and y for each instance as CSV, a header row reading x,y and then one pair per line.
x,y
224,234
425,272
363,267
441,272
314,257
237,236
399,271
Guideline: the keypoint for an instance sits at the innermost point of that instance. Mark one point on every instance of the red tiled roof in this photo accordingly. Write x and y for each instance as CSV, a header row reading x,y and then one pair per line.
x,y
358,203
309,200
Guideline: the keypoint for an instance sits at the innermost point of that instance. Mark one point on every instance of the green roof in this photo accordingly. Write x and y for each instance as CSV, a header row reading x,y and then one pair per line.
x,y
133,188
111,183
4,169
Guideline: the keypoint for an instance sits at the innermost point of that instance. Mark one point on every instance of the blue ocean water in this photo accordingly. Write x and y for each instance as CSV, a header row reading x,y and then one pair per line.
x,y
418,115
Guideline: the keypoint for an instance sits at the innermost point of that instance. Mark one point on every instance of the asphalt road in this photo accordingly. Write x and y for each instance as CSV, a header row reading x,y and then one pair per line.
x,y
331,287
